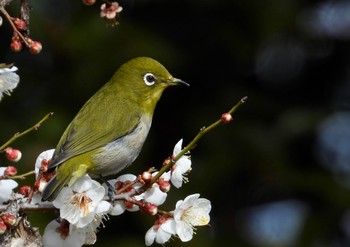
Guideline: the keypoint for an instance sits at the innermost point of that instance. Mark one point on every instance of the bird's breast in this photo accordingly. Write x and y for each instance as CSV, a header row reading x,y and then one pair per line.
x,y
120,153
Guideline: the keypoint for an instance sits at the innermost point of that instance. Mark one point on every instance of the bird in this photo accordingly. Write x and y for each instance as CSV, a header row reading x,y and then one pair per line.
x,y
108,132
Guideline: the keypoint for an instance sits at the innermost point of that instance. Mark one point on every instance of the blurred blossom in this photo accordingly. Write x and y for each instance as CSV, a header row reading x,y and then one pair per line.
x,y
279,60
334,144
277,223
330,18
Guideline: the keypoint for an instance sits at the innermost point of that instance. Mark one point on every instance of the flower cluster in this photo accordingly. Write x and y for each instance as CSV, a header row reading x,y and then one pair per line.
x,y
109,11
85,205
20,28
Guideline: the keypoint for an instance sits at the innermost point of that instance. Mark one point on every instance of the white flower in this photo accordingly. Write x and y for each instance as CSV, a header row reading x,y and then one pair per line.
x,y
154,195
44,156
56,235
82,203
6,187
181,167
119,205
191,212
8,80
161,231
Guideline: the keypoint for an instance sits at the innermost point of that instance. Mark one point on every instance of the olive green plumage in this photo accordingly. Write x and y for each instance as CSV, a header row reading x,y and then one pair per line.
x,y
108,132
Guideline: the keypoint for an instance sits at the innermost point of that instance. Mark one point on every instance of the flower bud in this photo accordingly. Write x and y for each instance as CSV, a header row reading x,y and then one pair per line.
x,y
25,190
8,219
89,2
40,185
10,171
128,204
150,209
164,185
3,227
16,46
12,154
35,47
20,24
226,117
146,176
167,161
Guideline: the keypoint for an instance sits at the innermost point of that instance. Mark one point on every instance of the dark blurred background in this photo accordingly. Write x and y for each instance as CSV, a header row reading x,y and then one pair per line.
x,y
278,175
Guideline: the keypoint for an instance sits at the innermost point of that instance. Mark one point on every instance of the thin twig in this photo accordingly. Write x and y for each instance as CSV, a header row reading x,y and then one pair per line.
x,y
22,176
190,146
19,134
9,19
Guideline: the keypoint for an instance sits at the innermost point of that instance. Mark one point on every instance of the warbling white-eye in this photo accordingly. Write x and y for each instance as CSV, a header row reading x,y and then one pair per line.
x,y
108,132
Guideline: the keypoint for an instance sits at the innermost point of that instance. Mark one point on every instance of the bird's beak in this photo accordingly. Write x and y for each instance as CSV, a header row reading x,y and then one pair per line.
x,y
175,81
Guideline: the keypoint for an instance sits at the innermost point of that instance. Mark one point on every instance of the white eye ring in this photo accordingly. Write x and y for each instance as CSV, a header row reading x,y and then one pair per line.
x,y
149,79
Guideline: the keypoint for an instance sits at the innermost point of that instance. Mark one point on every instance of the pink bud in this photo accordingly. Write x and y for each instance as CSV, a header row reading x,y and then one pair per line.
x,y
20,24
150,209
226,117
89,2
16,46
35,47
146,176
10,171
164,185
25,190
12,154
3,227
8,219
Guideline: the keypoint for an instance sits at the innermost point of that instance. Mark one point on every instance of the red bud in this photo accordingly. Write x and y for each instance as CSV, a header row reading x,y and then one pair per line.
x,y
16,46
226,117
20,24
25,190
10,171
8,219
35,47
89,2
12,154
3,227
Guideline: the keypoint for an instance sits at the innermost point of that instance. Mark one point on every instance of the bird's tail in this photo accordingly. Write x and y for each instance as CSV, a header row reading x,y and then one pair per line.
x,y
53,188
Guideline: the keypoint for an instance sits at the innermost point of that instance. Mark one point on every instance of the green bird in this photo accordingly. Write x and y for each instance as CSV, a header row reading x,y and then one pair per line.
x,y
108,132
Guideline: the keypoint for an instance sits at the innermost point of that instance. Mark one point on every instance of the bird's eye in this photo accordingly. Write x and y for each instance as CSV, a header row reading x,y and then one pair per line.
x,y
149,79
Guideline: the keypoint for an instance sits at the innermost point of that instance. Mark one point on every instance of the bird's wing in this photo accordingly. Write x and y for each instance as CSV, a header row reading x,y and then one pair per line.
x,y
80,138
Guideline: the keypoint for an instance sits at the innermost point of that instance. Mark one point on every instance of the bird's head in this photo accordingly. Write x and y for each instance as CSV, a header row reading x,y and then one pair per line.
x,y
144,79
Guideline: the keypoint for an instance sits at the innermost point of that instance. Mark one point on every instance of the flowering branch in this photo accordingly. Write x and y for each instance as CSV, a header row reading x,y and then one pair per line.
x,y
19,134
191,145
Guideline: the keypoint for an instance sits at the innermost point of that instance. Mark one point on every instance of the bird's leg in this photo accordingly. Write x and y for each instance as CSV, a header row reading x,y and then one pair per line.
x,y
111,190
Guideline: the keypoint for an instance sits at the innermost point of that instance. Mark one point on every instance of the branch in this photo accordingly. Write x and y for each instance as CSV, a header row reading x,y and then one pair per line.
x,y
19,134
191,145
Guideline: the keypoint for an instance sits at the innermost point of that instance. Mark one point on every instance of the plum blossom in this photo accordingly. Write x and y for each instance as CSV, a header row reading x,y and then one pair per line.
x,y
62,235
43,158
154,194
191,212
120,206
82,203
8,79
181,167
6,187
111,11
161,231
